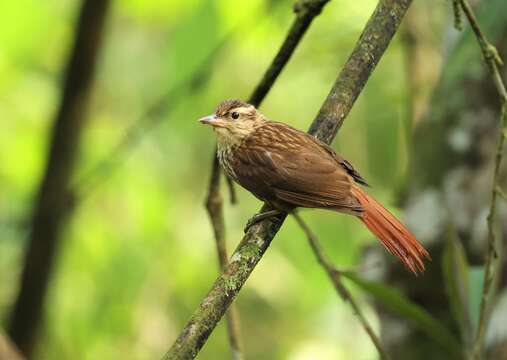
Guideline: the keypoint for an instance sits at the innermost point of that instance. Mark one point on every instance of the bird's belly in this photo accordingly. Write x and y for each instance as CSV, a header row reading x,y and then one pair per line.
x,y
258,187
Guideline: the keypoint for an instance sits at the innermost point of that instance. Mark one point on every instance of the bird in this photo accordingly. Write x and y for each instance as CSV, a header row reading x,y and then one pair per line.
x,y
289,169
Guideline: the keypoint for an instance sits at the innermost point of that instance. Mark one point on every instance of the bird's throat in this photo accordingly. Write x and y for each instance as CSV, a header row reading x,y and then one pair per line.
x,y
228,138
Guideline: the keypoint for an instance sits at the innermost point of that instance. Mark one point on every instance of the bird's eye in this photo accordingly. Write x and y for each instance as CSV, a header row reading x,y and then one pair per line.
x,y
235,115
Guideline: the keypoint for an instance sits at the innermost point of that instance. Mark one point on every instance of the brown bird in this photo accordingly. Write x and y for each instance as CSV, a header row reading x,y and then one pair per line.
x,y
288,168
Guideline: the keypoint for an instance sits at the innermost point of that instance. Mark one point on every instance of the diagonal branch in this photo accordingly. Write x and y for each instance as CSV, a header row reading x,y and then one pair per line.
x,y
51,204
306,11
343,292
493,62
372,44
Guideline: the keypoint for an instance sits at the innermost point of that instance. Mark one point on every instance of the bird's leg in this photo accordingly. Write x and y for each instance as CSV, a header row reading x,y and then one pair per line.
x,y
261,216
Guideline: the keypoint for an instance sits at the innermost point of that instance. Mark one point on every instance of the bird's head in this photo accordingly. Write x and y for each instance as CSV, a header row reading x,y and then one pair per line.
x,y
233,120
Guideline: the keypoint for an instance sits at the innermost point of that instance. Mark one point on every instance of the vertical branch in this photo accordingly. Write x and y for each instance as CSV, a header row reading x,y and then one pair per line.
x,y
306,11
492,254
493,62
50,207
370,47
342,291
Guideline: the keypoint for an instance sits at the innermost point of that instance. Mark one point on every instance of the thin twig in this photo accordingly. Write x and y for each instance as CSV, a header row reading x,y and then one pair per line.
x,y
492,255
335,277
232,190
306,11
368,51
500,191
458,19
493,61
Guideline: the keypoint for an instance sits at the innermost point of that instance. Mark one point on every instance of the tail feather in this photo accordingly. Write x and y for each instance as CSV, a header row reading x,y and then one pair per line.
x,y
397,239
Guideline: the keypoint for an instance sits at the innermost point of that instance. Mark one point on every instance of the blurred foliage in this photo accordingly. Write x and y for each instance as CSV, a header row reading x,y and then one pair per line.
x,y
138,254
395,301
456,272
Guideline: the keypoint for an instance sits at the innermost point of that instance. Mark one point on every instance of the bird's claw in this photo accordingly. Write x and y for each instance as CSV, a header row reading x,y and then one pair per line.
x,y
252,221
259,217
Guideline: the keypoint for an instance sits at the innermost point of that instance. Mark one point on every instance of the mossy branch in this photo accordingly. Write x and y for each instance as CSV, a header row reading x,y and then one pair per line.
x,y
370,47
493,62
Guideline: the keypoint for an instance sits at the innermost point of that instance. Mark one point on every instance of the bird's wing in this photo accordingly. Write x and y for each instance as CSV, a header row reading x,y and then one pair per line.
x,y
347,166
286,165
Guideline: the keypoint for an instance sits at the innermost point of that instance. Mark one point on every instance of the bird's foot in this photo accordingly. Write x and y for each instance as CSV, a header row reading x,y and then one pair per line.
x,y
261,216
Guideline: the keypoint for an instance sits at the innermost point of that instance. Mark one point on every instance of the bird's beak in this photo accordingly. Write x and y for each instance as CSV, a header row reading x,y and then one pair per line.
x,y
209,120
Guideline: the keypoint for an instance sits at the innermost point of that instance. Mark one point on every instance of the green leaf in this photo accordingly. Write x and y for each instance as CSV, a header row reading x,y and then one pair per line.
x,y
396,302
476,281
456,276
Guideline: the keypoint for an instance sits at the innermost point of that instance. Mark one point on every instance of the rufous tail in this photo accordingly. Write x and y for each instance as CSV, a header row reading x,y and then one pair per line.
x,y
391,232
